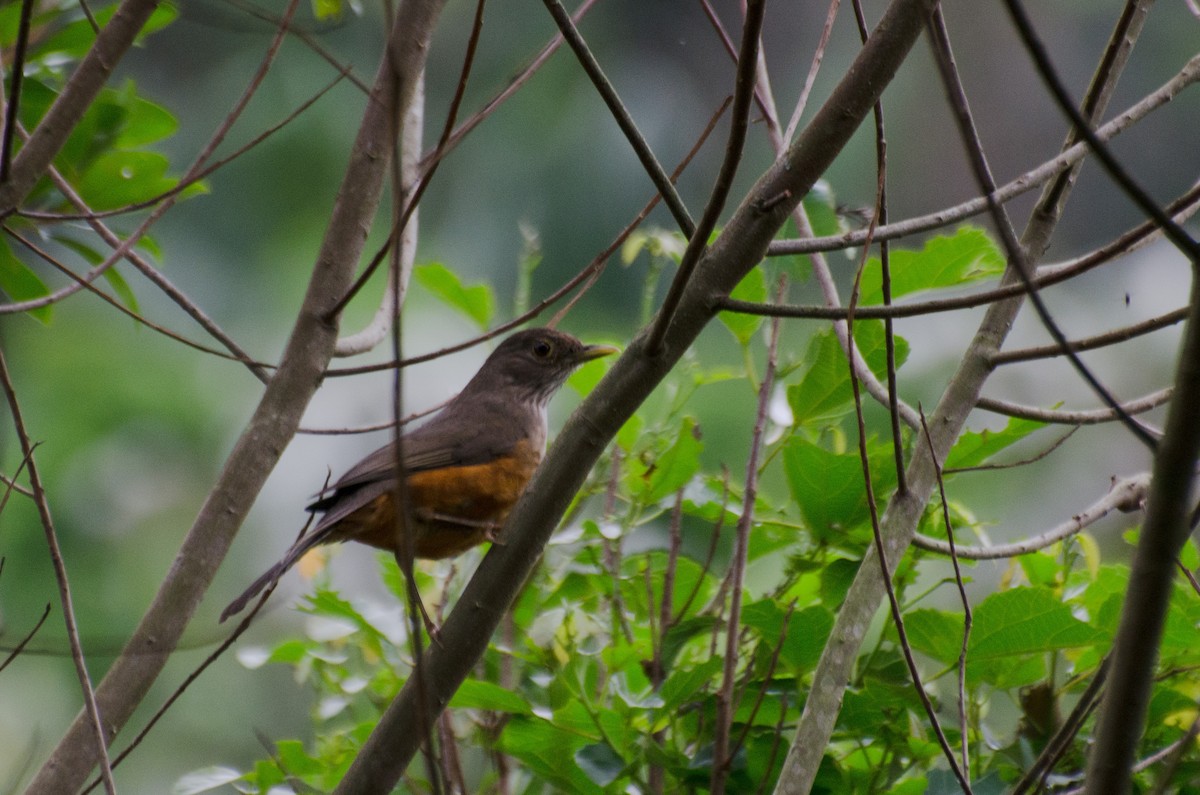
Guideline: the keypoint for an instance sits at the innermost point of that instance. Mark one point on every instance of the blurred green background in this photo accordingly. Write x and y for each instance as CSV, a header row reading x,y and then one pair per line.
x,y
135,427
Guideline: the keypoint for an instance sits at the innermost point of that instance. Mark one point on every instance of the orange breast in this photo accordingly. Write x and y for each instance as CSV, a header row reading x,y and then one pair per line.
x,y
478,496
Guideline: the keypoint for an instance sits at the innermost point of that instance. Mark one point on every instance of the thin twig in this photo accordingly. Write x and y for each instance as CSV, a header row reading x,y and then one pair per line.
x,y
962,594
1083,128
815,66
1046,276
20,647
82,282
1124,495
394,295
640,147
880,216
60,574
747,64
1103,340
948,69
881,553
722,759
14,98
1035,777
1064,162
1087,417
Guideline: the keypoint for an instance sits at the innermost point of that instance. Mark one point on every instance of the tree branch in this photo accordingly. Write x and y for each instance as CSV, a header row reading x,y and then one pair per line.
x,y
742,244
270,428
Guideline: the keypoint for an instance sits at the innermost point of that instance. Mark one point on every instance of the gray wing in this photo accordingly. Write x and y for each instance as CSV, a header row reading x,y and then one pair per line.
x,y
448,440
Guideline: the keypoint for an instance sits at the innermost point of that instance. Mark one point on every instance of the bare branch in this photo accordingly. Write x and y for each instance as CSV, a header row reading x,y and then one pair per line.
x,y
1123,496
99,745
1086,417
268,431
503,571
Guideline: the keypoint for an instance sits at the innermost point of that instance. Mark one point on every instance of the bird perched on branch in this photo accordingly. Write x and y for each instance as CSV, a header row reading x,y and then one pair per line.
x,y
464,469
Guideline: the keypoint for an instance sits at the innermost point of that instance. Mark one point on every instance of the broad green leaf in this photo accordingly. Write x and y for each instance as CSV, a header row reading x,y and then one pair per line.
x,y
684,684
476,302
807,631
829,487
935,632
824,392
975,447
20,283
680,633
743,326
1025,621
544,749
675,467
117,178
76,38
600,763
478,694
111,274
295,759
967,256
145,122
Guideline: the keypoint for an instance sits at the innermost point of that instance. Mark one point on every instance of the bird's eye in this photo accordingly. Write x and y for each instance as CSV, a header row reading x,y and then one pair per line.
x,y
542,349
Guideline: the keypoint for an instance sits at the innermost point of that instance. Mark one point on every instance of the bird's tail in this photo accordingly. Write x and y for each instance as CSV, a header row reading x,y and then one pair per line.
x,y
272,575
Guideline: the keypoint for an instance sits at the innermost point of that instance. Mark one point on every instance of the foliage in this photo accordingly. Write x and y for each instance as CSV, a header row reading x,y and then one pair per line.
x,y
596,687
610,673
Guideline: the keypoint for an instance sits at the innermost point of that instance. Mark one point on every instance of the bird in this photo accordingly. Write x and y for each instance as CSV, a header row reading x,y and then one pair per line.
x,y
465,468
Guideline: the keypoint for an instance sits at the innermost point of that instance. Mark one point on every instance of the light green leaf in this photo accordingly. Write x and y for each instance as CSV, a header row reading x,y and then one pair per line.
x,y
476,302
743,326
967,256
975,447
824,391
478,694
1025,621
600,763
675,467
829,487
936,633
20,283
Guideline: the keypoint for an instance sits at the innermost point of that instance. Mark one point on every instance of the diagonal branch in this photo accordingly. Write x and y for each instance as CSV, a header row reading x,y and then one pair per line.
x,y
747,64
741,245
905,509
99,744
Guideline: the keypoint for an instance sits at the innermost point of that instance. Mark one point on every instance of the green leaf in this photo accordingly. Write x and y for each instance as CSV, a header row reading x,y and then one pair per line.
x,y
117,178
1025,621
476,302
679,634
744,326
675,467
543,749
478,694
111,274
806,631
975,447
829,487
683,685
967,256
824,392
205,779
600,763
20,283
936,633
